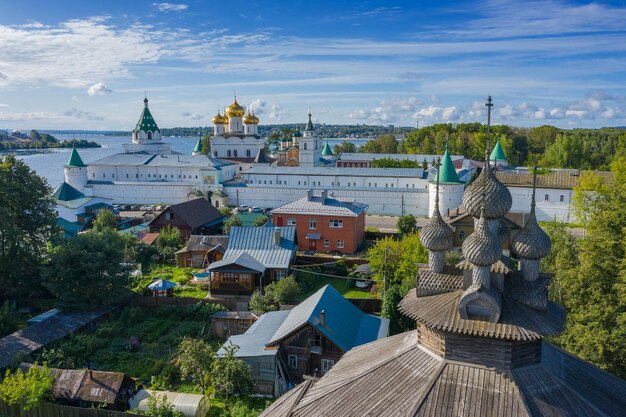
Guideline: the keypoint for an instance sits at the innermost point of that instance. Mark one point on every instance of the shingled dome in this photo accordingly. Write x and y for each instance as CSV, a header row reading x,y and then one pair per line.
x,y
497,196
481,247
437,235
531,242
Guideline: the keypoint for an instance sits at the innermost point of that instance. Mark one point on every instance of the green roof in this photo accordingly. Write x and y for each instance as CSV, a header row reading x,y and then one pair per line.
x,y
448,173
198,147
327,151
498,153
146,121
66,192
75,160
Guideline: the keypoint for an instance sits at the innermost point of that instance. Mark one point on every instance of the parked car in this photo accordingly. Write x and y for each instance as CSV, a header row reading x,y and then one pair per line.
x,y
256,209
362,283
243,208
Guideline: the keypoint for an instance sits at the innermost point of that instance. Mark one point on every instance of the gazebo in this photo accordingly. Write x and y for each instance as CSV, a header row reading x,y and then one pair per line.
x,y
162,288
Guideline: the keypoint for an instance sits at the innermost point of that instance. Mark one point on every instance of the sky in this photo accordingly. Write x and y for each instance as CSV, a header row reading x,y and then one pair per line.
x,y
87,64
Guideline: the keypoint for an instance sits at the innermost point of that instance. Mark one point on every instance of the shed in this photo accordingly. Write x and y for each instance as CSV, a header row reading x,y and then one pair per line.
x,y
162,288
191,405
231,323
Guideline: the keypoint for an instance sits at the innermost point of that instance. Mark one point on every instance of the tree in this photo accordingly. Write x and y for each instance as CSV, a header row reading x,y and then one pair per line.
x,y
194,359
9,319
27,222
283,290
29,389
261,221
225,211
398,323
231,375
35,135
259,302
345,146
382,144
584,195
406,225
88,271
105,220
168,242
232,221
136,251
206,144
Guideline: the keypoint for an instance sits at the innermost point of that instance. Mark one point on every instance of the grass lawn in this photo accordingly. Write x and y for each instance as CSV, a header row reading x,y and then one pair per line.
x,y
344,286
191,291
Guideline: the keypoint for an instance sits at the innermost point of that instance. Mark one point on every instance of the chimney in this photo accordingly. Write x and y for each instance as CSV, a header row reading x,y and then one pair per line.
x,y
309,195
277,235
323,317
324,195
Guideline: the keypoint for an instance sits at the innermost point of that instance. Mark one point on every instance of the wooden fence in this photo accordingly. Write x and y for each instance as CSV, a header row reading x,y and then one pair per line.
x,y
56,410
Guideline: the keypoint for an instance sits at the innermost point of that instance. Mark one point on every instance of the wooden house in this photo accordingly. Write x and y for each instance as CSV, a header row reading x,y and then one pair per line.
x,y
463,225
231,323
88,388
200,251
255,257
283,347
194,217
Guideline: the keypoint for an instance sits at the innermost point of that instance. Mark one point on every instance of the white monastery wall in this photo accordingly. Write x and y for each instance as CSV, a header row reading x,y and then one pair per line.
x,y
552,203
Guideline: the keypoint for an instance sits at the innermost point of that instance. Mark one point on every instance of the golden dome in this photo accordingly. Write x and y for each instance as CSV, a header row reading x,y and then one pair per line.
x,y
235,110
250,119
218,119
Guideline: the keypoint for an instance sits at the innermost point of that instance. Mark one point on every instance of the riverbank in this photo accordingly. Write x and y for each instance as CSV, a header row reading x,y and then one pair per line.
x,y
82,143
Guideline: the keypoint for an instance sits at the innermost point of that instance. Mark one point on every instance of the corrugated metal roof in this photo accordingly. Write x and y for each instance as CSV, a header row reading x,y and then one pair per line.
x,y
320,205
335,171
253,341
243,259
191,405
258,242
352,156
346,325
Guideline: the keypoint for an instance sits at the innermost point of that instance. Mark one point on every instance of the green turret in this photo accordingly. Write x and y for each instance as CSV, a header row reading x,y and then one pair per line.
x,y
198,148
497,154
327,151
75,160
446,174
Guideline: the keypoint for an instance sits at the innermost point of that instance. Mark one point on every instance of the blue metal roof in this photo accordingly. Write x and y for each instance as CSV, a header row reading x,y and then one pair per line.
x,y
346,325
161,285
258,242
253,341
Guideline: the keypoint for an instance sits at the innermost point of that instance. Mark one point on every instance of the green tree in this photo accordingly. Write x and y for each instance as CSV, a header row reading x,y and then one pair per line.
x,y
168,242
233,221
206,144
406,225
105,220
232,376
194,359
136,251
398,323
225,211
261,302
88,270
29,389
9,319
35,135
344,147
283,291
27,222
261,221
382,144
584,195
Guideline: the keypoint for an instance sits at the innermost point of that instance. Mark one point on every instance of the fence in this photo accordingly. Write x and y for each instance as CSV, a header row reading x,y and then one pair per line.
x,y
56,410
367,305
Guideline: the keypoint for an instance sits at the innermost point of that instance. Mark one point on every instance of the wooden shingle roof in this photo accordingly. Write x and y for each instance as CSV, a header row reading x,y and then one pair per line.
x,y
563,179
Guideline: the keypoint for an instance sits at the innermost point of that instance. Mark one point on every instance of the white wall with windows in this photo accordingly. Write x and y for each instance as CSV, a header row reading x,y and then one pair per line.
x,y
552,203
235,147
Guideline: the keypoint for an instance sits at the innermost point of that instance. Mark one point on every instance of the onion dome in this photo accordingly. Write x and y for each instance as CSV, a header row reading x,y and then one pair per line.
x,y
503,231
437,235
531,242
481,247
497,198
235,110
250,119
218,119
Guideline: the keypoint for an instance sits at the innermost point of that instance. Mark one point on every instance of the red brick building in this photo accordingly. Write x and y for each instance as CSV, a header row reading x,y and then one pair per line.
x,y
323,223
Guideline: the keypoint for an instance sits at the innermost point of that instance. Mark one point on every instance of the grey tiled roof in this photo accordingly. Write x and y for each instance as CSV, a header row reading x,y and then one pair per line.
x,y
320,205
334,171
346,326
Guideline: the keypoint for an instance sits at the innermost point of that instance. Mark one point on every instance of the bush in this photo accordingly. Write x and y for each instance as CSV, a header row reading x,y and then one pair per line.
x,y
27,389
9,319
168,242
283,290
260,302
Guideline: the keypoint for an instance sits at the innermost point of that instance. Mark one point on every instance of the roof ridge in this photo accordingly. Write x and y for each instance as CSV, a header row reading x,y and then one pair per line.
x,y
428,388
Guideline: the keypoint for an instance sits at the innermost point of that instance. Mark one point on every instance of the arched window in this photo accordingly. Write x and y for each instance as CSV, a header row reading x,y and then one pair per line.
x,y
305,146
149,135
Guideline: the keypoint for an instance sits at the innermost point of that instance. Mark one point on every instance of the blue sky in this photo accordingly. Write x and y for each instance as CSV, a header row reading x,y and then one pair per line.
x,y
86,65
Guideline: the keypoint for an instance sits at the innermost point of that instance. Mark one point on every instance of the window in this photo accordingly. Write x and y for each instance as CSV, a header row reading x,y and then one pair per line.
x,y
196,177
546,197
312,224
235,153
136,175
305,146
93,175
327,364
369,184
248,152
291,221
215,153
462,235
169,216
293,361
340,244
127,177
562,198
280,274
148,175
103,175
336,224
228,152
326,243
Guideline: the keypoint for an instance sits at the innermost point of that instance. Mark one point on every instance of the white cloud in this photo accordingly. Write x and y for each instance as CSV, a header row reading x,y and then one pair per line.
x,y
74,98
98,88
80,114
4,105
192,116
170,7
259,106
276,112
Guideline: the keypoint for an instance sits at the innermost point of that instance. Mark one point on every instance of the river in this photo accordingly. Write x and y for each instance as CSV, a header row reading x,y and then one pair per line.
x,y
49,162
